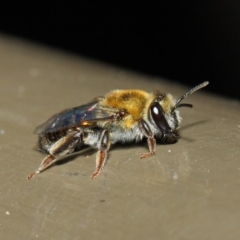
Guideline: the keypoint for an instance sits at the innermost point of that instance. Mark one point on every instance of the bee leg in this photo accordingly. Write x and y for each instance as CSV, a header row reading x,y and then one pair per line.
x,y
103,148
150,138
63,146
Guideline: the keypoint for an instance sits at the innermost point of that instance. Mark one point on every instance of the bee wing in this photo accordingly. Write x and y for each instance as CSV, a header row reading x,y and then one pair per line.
x,y
82,116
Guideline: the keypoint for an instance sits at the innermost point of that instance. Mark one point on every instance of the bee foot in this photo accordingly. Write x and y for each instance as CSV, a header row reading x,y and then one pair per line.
x,y
95,175
146,155
30,176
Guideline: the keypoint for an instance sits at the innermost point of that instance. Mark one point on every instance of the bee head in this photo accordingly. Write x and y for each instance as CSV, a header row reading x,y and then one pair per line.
x,y
164,112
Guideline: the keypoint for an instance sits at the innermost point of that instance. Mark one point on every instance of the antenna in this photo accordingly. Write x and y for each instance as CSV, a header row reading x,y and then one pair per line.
x,y
177,105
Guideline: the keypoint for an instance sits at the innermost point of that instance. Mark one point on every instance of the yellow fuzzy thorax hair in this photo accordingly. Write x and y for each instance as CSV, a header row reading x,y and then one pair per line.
x,y
133,101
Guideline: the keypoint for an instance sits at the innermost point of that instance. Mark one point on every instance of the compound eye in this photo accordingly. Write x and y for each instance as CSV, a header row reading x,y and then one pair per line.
x,y
159,118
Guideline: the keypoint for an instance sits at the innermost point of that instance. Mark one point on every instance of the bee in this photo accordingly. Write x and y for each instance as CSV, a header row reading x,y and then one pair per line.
x,y
119,116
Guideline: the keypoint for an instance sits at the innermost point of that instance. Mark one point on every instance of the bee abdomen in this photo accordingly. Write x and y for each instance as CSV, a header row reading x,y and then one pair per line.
x,y
46,140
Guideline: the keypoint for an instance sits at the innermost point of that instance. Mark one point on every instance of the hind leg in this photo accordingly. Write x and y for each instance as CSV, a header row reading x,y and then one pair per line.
x,y
63,146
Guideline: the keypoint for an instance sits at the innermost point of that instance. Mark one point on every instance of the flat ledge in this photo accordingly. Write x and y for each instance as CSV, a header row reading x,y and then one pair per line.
x,y
188,190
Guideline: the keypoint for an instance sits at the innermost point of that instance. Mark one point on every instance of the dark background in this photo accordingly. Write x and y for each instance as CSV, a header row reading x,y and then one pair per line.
x,y
185,41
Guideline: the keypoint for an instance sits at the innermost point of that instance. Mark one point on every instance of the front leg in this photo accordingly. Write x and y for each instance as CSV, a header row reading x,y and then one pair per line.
x,y
63,146
103,148
150,138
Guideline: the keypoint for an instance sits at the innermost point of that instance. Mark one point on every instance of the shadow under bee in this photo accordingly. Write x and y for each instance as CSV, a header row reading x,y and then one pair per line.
x,y
189,126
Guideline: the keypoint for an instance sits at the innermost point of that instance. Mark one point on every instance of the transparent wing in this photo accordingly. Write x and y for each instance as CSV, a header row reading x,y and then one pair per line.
x,y
82,116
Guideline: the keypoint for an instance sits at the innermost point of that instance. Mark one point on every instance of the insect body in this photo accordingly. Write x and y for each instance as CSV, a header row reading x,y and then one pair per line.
x,y
119,116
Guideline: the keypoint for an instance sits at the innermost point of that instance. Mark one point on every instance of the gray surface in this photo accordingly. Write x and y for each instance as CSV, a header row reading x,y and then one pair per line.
x,y
188,190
